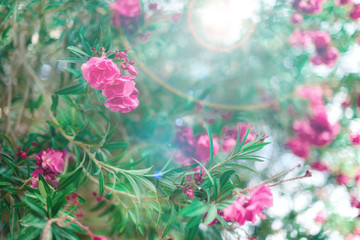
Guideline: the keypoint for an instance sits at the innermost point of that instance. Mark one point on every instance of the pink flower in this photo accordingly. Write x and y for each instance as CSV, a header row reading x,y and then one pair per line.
x,y
313,94
355,12
126,8
123,104
122,86
300,38
320,217
153,6
309,6
100,72
354,202
246,208
202,152
190,193
342,2
355,138
352,237
320,166
320,39
327,56
357,175
299,147
342,179
234,132
99,238
51,160
297,18
228,144
49,177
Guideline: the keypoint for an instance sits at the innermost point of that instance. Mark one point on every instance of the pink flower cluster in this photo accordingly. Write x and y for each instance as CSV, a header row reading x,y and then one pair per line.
x,y
308,6
50,163
103,74
125,11
325,53
315,130
246,208
231,135
193,147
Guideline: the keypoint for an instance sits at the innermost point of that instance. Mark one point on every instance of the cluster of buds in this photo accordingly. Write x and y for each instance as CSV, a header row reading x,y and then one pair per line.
x,y
73,201
22,154
127,65
188,190
98,197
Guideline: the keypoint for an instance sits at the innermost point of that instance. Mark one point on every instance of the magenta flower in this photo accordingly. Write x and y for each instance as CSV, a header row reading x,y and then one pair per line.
x,y
297,18
132,70
228,144
355,138
190,193
123,104
342,2
355,12
99,238
122,86
126,8
342,179
320,39
221,213
299,147
320,217
231,135
49,177
246,208
357,175
319,165
202,152
309,6
51,160
325,56
313,94
100,72
300,38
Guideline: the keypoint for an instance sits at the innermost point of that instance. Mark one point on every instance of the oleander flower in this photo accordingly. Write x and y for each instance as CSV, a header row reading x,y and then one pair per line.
x,y
313,94
246,208
49,178
126,8
100,238
297,18
320,217
228,144
299,147
202,152
123,104
51,160
355,12
100,72
123,86
342,2
319,166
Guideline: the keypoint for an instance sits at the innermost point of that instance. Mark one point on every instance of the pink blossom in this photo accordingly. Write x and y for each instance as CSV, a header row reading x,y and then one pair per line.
x,y
313,94
300,38
122,86
153,6
49,178
357,175
355,138
123,104
202,152
100,72
126,8
234,132
297,18
246,208
320,217
99,238
342,2
51,160
342,179
309,6
320,39
319,165
228,144
354,202
299,147
355,12
352,237
190,193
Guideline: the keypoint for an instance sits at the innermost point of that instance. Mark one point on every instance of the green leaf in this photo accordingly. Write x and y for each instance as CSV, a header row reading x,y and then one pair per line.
x,y
77,51
30,234
85,44
170,221
225,176
101,183
211,149
72,60
146,183
54,104
211,214
235,165
138,172
115,145
40,212
74,89
135,187
194,209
